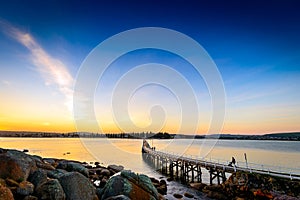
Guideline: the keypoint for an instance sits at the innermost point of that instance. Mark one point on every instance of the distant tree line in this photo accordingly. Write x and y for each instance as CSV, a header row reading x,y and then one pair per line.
x,y
150,135
84,135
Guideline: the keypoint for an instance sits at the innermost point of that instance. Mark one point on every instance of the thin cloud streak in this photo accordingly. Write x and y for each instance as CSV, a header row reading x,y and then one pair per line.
x,y
53,70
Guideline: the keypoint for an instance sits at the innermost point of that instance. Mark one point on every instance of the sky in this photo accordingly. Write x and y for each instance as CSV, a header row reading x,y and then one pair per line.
x,y
255,46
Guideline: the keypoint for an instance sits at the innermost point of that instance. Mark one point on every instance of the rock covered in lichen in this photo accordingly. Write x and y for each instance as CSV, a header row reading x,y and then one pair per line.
x,y
16,165
51,190
77,186
130,184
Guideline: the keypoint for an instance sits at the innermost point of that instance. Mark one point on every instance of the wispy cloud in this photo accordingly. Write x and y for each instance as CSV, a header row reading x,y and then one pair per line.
x,y
6,82
53,70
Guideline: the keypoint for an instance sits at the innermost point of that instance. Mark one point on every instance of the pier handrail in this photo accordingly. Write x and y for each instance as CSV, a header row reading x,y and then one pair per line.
x,y
278,171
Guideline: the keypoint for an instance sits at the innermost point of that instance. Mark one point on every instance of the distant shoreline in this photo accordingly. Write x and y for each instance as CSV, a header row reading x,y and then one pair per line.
x,y
294,136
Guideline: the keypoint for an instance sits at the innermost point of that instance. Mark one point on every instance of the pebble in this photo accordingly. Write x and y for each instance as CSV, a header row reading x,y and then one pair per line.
x,y
188,195
178,196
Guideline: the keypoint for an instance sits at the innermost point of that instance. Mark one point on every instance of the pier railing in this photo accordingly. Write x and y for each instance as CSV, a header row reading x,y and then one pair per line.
x,y
219,164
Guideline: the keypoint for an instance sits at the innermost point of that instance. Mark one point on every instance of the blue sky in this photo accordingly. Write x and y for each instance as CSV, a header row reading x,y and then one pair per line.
x,y
255,45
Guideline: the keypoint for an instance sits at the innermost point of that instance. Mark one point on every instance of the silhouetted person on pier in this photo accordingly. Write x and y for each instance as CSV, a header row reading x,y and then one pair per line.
x,y
233,160
232,163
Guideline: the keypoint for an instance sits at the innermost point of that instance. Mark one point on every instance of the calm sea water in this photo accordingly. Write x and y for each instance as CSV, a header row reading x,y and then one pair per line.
x,y
127,152
284,155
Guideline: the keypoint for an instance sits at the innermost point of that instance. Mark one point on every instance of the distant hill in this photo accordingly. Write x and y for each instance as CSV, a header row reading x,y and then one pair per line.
x,y
284,135
269,136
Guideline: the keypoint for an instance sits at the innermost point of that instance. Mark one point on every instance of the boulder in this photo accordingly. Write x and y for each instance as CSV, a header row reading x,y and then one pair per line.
x,y
162,182
115,168
188,195
16,165
105,172
25,188
38,177
115,186
131,185
98,170
73,167
50,161
5,193
169,179
44,165
51,190
88,166
162,188
56,174
77,186
36,158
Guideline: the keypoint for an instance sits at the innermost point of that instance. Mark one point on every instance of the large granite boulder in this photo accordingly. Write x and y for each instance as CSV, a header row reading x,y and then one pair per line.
x,y
132,185
51,190
77,187
73,167
16,165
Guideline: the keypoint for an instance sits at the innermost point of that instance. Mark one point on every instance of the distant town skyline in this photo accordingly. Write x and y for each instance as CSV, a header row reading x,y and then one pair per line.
x,y
255,46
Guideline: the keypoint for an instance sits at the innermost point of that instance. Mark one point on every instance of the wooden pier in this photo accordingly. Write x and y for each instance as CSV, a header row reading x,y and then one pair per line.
x,y
188,170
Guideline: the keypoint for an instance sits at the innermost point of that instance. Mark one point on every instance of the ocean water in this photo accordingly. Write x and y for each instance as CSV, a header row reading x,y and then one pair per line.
x,y
278,155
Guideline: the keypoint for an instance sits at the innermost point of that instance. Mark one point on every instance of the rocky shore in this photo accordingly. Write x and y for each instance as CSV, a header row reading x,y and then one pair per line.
x,y
251,186
30,177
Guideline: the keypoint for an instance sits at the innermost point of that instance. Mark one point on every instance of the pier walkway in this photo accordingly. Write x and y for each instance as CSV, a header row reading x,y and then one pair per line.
x,y
188,169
